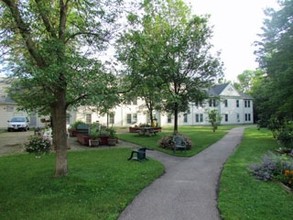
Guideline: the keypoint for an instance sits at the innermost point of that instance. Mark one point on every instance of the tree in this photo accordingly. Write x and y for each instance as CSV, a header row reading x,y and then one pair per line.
x,y
275,56
247,80
214,118
51,47
171,46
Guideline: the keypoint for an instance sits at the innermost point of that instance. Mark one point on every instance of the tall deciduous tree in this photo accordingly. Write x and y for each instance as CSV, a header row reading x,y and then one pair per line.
x,y
275,56
170,46
49,44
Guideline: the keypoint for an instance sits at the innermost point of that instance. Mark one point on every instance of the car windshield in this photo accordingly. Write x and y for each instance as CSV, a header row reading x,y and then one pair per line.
x,y
18,119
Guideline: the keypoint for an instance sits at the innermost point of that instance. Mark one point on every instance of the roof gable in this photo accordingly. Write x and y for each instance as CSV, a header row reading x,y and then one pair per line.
x,y
229,90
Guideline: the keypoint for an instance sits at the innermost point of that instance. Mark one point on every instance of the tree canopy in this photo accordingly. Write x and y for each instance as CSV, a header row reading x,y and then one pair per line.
x,y
170,47
52,48
275,56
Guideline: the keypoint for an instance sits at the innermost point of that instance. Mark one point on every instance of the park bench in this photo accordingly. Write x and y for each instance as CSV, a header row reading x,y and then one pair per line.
x,y
82,129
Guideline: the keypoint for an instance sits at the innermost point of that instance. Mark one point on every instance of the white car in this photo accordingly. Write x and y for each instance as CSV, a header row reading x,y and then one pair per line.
x,y
18,123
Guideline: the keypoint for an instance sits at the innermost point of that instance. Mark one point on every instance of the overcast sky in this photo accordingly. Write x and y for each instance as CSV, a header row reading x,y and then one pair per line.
x,y
236,25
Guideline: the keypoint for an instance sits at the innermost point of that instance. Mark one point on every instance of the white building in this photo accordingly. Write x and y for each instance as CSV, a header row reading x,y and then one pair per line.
x,y
8,108
234,108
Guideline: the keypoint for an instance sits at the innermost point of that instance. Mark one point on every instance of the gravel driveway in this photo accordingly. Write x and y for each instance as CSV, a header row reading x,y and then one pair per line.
x,y
13,142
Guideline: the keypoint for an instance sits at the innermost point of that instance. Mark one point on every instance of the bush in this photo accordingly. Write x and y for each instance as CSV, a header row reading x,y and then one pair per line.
x,y
266,169
37,145
167,142
274,167
285,138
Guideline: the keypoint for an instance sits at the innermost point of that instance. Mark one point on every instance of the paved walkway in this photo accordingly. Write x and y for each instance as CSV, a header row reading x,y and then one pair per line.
x,y
188,189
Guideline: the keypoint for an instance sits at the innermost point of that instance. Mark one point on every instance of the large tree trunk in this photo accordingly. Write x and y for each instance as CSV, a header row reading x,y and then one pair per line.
x,y
60,134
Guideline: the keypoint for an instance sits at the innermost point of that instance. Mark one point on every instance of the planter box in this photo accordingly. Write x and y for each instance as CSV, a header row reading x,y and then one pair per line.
x,y
108,141
94,143
83,139
72,132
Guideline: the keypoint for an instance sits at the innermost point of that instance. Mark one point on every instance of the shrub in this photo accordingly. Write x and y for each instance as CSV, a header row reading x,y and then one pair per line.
x,y
37,145
266,169
285,137
166,142
274,167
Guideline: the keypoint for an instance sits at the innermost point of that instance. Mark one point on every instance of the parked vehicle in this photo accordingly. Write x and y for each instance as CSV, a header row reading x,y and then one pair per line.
x,y
18,123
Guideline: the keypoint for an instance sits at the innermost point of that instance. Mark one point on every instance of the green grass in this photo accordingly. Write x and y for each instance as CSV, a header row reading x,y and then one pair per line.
x,y
201,137
241,196
100,184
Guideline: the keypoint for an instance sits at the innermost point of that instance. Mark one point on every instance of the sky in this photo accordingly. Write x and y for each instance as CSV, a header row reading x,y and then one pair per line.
x,y
236,25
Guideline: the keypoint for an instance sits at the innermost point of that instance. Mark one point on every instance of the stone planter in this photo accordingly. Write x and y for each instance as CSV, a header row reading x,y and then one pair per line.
x,y
94,142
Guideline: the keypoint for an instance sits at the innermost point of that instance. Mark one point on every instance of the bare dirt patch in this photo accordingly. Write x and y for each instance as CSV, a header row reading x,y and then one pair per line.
x,y
12,142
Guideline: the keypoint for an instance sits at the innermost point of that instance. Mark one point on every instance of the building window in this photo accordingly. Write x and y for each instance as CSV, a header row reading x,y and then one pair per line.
x,y
226,117
212,103
9,108
128,102
112,118
237,103
198,118
238,117
134,118
198,104
131,118
68,116
247,103
226,103
169,118
247,117
88,118
185,120
128,118
134,102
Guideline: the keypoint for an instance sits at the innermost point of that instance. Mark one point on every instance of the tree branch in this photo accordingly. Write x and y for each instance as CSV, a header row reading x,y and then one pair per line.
x,y
62,20
83,96
85,33
25,32
46,20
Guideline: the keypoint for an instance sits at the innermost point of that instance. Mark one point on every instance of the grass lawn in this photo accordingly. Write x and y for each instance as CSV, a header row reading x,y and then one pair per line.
x,y
100,184
201,137
241,196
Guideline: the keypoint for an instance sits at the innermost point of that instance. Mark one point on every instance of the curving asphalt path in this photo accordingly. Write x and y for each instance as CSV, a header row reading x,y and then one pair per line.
x,y
188,189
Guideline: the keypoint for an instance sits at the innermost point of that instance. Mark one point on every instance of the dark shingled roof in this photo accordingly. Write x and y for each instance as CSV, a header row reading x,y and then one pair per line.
x,y
217,89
